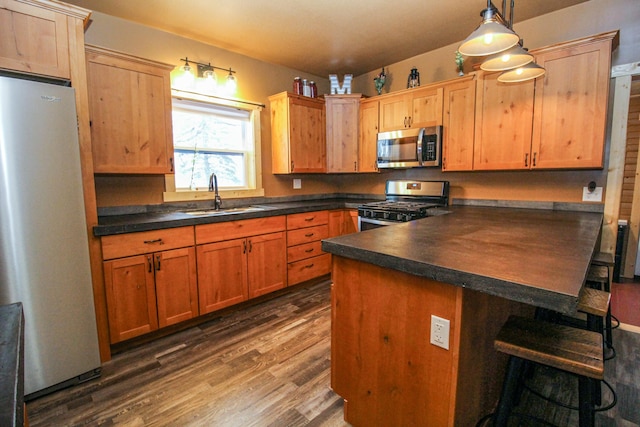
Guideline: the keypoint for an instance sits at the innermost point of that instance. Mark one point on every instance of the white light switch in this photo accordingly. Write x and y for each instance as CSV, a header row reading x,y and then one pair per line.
x,y
592,196
297,184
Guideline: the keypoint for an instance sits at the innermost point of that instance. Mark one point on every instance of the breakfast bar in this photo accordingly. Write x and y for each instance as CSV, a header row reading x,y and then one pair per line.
x,y
472,267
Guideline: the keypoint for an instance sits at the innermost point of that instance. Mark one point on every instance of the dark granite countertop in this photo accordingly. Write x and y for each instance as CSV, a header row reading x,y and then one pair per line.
x,y
539,257
11,365
145,221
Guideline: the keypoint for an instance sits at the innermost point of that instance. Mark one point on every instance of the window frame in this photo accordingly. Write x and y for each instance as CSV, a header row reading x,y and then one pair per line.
x,y
252,162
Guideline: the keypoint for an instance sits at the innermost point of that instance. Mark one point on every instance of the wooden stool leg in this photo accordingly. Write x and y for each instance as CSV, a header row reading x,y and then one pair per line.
x,y
509,390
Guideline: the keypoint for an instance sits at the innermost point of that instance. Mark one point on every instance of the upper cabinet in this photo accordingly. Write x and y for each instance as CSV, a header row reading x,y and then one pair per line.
x,y
368,136
555,122
570,108
35,37
411,108
130,109
458,123
342,117
297,134
504,122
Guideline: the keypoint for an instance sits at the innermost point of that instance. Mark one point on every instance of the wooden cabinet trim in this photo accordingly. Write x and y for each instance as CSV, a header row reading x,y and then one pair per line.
x,y
123,245
208,233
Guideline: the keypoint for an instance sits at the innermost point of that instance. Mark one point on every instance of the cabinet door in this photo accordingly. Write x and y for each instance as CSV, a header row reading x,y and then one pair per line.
x,y
426,107
267,263
222,274
458,122
368,137
504,122
131,297
33,39
176,285
130,108
571,106
307,142
342,132
394,113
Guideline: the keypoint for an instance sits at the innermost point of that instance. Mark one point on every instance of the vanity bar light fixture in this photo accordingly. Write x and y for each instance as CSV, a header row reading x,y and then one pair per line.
x,y
200,77
504,49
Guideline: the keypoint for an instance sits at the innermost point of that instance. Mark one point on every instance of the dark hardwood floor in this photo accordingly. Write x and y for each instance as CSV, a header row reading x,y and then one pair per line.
x,y
269,365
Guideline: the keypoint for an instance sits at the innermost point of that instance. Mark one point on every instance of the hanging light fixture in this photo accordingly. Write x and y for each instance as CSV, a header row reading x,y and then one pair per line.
x,y
492,36
203,80
513,57
521,74
491,39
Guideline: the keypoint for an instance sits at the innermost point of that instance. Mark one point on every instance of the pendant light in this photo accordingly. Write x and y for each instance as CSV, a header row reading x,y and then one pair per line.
x,y
492,36
521,74
513,57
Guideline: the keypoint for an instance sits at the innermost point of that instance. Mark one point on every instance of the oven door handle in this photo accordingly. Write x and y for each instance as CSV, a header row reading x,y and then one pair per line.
x,y
419,146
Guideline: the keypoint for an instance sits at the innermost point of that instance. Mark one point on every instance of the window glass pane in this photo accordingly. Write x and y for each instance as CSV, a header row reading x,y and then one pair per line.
x,y
211,138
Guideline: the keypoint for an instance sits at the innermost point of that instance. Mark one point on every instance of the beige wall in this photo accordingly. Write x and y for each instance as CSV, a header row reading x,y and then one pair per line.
x,y
258,80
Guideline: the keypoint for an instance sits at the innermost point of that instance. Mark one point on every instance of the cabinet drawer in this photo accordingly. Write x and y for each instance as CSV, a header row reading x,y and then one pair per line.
x,y
122,245
307,250
308,269
307,235
307,219
209,233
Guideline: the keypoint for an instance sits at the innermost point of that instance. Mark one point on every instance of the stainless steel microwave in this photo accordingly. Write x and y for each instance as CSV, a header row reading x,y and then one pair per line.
x,y
410,148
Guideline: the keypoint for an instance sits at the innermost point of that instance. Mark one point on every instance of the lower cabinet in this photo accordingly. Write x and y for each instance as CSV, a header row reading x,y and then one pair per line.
x,y
343,221
305,258
233,271
238,260
147,288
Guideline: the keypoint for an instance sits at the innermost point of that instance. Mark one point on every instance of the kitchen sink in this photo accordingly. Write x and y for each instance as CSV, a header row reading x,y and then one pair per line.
x,y
229,211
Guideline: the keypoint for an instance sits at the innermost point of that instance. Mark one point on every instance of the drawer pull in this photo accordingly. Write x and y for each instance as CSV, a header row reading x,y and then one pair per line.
x,y
309,235
310,218
309,265
148,242
309,250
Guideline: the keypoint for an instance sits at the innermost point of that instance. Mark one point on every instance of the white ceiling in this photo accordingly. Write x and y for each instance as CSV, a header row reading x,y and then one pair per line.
x,y
319,37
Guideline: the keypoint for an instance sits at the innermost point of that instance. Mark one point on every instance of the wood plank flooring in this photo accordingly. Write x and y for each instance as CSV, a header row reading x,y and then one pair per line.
x,y
269,365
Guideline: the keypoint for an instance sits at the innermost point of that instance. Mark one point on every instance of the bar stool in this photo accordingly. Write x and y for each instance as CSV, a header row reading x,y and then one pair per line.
x,y
600,276
569,349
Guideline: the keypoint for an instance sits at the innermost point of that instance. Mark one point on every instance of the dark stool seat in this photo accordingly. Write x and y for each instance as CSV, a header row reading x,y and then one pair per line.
x,y
578,351
600,276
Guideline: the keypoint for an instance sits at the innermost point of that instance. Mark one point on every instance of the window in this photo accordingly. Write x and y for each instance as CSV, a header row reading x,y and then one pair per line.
x,y
213,138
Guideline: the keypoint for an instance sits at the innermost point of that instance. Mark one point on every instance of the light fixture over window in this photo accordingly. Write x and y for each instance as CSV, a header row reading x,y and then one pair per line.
x,y
496,39
203,80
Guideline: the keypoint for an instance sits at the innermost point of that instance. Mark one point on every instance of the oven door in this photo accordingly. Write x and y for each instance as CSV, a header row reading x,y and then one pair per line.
x,y
370,223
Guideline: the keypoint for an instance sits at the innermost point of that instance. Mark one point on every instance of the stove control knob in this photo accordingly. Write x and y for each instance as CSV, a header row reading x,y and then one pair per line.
x,y
385,215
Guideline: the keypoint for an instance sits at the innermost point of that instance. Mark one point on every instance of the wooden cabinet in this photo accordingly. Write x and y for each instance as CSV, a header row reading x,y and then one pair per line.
x,y
130,109
238,260
305,259
342,117
570,108
368,136
458,123
343,221
504,122
412,108
35,38
297,134
150,280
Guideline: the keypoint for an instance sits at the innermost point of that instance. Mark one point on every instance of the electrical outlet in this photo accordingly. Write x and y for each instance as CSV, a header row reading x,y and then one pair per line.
x,y
297,183
440,332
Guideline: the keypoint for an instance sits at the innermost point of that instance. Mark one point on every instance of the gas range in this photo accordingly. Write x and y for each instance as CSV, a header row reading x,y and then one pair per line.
x,y
405,201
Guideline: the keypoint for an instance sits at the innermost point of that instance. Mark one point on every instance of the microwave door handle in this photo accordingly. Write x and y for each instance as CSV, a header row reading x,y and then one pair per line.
x,y
419,146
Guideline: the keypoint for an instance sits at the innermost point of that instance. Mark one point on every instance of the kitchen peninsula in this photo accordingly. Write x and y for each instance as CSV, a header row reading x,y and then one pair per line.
x,y
473,267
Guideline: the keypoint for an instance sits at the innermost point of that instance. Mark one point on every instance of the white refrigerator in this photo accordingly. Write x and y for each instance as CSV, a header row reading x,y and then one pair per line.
x,y
44,254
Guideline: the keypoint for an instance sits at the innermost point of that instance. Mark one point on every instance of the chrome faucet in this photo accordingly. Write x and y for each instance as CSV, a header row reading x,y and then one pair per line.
x,y
213,186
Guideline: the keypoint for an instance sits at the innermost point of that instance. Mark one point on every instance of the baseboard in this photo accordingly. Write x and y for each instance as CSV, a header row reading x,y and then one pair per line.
x,y
630,328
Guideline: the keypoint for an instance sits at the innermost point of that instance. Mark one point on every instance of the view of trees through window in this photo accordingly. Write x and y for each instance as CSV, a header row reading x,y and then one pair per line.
x,y
211,138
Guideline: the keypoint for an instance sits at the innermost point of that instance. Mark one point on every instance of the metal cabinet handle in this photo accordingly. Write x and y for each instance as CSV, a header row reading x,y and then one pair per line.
x,y
149,242
157,262
244,247
309,250
526,160
534,159
310,218
309,265
250,246
149,263
309,234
